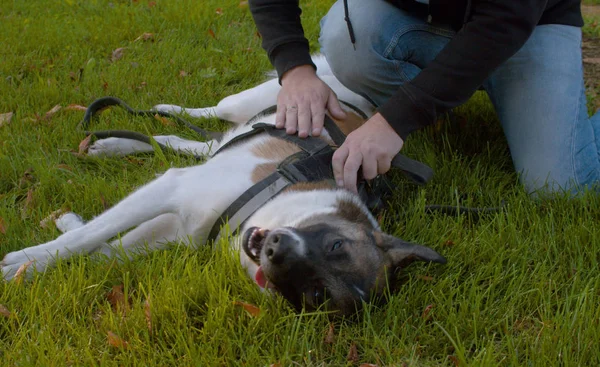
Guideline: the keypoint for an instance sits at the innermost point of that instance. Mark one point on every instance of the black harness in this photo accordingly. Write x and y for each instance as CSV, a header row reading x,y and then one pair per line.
x,y
312,163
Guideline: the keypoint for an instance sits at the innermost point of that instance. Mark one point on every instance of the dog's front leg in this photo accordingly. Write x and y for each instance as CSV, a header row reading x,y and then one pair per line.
x,y
155,198
122,146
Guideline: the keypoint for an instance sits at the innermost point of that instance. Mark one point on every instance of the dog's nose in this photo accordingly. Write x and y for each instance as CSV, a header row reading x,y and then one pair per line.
x,y
278,245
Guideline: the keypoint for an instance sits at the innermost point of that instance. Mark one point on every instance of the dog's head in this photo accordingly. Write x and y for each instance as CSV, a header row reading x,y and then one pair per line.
x,y
334,261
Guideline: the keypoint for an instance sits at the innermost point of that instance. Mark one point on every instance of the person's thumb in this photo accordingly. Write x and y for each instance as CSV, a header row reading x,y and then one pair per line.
x,y
334,107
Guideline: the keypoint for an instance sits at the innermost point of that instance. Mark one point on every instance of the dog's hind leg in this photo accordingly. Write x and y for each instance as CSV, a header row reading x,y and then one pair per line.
x,y
237,108
156,198
111,147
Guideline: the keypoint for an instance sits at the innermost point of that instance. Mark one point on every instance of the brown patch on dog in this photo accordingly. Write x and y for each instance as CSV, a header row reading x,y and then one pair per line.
x,y
262,171
275,149
350,123
353,213
311,186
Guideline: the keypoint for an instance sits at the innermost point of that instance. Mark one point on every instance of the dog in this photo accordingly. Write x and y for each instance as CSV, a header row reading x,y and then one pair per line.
x,y
315,244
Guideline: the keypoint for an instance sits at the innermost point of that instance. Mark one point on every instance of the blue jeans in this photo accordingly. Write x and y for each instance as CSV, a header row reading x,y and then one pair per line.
x,y
538,93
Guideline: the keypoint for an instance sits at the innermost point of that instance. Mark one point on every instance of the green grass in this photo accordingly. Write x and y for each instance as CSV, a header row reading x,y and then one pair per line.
x,y
521,287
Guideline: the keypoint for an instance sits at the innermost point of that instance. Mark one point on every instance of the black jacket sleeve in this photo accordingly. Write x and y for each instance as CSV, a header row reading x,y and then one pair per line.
x,y
279,24
495,31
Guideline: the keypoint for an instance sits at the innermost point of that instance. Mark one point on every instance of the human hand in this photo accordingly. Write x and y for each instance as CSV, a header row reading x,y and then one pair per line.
x,y
302,102
372,146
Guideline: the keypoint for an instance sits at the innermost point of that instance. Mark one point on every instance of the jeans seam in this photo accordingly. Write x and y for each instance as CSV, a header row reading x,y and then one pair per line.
x,y
414,27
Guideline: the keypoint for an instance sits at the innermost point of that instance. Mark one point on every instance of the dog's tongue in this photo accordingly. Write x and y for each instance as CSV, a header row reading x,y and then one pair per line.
x,y
260,278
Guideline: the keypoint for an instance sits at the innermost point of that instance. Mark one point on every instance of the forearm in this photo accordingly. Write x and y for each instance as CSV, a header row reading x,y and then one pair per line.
x,y
278,22
495,32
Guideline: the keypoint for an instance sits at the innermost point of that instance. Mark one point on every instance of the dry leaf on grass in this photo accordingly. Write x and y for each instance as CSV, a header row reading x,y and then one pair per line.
x,y
243,4
5,312
51,218
148,314
117,300
52,112
165,121
212,33
330,336
75,107
5,118
2,226
252,309
116,341
117,54
145,37
352,353
426,311
591,60
84,145
426,278
29,200
367,365
454,360
21,271
219,11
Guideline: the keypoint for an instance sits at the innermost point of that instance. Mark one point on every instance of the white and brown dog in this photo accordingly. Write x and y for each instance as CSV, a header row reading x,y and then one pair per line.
x,y
313,243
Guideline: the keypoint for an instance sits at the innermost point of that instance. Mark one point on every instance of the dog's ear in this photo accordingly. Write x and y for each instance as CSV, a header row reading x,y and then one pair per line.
x,y
402,253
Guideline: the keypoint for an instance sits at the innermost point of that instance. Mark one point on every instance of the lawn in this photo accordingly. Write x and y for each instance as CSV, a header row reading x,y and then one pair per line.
x,y
521,286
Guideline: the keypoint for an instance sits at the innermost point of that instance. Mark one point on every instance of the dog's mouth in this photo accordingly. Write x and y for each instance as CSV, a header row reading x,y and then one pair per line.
x,y
252,243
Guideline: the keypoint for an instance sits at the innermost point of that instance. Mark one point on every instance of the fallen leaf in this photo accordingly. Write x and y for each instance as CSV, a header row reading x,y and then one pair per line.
x,y
426,278
84,145
2,226
75,107
115,341
591,60
5,312
116,298
367,365
352,353
65,167
219,11
20,274
243,4
277,364
449,243
426,311
148,314
454,360
29,199
252,309
105,85
152,4
5,118
183,73
117,54
145,37
103,202
330,337
212,33
51,218
165,121
52,112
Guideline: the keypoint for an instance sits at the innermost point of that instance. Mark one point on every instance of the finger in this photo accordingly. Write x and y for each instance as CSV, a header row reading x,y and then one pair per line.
x,y
318,118
280,116
337,163
383,165
334,107
304,120
291,119
351,168
369,167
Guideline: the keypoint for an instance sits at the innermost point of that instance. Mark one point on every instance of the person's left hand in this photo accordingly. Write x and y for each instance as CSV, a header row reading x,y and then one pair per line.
x,y
372,146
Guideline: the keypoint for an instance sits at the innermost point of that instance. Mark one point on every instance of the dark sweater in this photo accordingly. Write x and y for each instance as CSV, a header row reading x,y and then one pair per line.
x,y
489,33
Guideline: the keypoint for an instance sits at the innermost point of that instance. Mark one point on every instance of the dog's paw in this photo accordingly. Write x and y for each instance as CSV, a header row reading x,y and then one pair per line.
x,y
14,261
117,147
68,222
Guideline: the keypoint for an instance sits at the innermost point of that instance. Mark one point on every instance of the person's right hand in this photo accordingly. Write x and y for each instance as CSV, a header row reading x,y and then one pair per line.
x,y
303,100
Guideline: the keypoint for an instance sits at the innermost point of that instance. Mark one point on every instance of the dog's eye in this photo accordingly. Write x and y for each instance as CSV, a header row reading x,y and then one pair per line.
x,y
319,296
336,245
